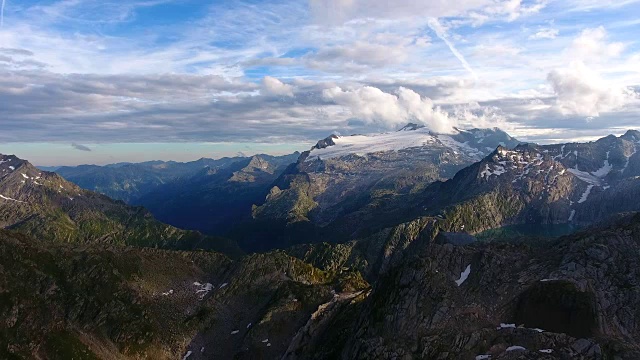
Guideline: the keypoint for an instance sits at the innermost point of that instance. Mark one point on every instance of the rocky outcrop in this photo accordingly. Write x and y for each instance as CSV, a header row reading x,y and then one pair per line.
x,y
574,298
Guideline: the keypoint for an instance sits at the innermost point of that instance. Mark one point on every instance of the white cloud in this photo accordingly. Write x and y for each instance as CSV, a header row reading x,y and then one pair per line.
x,y
592,44
581,91
579,88
273,86
374,106
548,33
513,9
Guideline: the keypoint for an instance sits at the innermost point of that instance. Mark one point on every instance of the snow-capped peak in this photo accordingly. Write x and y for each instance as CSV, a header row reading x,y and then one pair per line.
x,y
474,144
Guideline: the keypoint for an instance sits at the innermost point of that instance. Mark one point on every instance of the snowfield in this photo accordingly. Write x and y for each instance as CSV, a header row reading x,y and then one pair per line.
x,y
394,141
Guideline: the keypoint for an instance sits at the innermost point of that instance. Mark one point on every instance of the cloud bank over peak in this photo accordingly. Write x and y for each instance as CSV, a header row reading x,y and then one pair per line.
x,y
391,111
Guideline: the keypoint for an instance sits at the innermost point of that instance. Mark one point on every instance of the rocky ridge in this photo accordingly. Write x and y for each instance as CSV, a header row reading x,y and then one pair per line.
x,y
48,207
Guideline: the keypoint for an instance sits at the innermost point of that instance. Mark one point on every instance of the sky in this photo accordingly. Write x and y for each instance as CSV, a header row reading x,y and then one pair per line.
x,y
103,81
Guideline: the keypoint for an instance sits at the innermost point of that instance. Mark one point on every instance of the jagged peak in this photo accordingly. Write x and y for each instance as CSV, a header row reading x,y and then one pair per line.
x,y
326,142
10,163
633,135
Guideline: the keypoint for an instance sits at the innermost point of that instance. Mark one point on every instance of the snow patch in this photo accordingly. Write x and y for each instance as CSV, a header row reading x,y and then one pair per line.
x,y
586,194
186,356
626,165
235,332
516,348
498,170
10,199
223,285
572,215
546,351
483,357
170,292
464,275
506,326
449,142
605,170
203,289
586,177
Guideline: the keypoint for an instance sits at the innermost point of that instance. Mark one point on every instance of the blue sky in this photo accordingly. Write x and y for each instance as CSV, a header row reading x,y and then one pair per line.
x,y
181,79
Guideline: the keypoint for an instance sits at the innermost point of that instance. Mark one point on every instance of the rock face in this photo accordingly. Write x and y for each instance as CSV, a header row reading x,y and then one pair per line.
x,y
48,207
576,296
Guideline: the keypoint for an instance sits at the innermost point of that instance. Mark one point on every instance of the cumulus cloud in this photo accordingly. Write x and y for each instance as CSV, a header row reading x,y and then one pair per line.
x,y
80,147
581,91
274,87
592,44
372,105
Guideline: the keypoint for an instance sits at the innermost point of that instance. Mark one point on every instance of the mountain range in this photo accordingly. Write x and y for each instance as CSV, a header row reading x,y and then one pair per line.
x,y
385,246
45,205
